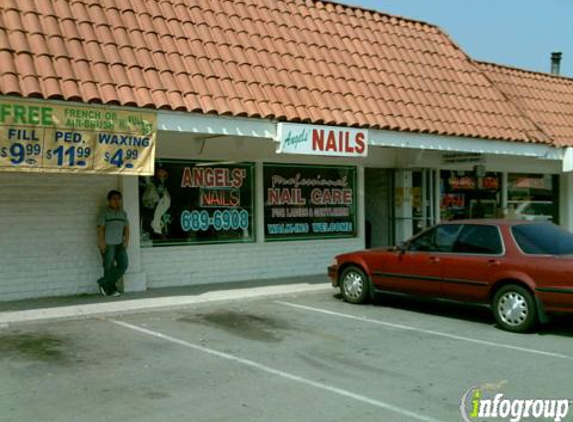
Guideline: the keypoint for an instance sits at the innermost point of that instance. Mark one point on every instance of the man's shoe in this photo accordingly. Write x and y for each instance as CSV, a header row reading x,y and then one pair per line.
x,y
102,291
116,294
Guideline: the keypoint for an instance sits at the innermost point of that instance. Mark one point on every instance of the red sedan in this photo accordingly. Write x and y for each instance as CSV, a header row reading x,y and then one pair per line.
x,y
522,270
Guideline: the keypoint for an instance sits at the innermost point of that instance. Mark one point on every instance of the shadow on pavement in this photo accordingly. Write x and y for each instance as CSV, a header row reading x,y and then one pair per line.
x,y
560,325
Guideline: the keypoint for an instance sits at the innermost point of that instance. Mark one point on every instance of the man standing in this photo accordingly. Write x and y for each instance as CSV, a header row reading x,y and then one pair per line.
x,y
113,238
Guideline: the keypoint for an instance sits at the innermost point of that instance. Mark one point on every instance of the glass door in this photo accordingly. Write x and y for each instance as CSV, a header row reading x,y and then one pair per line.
x,y
415,193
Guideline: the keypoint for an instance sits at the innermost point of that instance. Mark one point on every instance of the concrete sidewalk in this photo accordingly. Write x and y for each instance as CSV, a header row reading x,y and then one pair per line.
x,y
91,306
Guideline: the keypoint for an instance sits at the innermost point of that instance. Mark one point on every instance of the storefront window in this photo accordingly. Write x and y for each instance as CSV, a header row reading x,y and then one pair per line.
x,y
309,202
464,195
189,202
532,197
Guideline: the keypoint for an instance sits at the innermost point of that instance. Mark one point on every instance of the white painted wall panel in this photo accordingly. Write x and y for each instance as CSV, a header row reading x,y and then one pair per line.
x,y
48,234
200,264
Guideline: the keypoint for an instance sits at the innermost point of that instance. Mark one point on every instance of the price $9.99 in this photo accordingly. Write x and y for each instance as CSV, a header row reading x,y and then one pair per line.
x,y
18,153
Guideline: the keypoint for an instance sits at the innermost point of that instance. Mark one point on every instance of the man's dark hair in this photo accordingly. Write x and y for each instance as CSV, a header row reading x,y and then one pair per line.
x,y
113,193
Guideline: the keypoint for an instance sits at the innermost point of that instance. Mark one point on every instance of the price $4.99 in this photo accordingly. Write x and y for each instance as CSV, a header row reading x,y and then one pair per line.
x,y
120,158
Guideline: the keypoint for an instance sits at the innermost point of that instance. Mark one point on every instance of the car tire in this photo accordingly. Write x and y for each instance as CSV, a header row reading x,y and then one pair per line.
x,y
354,285
514,308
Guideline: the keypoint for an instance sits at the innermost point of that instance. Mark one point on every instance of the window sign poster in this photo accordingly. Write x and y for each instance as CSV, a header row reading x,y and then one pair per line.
x,y
490,182
309,202
44,137
188,202
453,200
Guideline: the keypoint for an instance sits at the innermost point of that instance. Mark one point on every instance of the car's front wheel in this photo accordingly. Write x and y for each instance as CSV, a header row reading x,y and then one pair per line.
x,y
514,308
354,285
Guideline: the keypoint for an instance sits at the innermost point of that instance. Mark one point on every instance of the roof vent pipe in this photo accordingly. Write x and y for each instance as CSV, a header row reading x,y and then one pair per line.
x,y
555,63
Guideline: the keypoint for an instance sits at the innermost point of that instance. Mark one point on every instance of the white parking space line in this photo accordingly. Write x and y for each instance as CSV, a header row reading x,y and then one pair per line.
x,y
422,330
286,375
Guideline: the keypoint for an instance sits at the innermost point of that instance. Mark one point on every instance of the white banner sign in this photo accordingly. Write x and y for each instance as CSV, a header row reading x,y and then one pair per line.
x,y
322,140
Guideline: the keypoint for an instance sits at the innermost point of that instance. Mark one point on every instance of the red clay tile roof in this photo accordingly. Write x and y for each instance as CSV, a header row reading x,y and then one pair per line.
x,y
546,99
296,60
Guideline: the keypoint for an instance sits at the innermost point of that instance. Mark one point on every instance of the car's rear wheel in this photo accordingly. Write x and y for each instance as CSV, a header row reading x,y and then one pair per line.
x,y
354,285
514,308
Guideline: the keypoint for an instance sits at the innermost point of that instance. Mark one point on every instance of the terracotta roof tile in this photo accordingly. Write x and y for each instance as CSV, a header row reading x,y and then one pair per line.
x,y
25,65
223,106
128,55
79,12
70,90
95,12
143,97
208,105
177,100
545,99
301,60
31,23
160,99
9,83
19,41
4,43
263,94
199,84
114,18
119,75
192,103
51,88
184,83
101,74
31,85
111,54
228,86
7,65
130,20
44,67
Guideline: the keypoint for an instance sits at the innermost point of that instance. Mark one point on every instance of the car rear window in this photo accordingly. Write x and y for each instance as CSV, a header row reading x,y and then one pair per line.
x,y
543,239
478,239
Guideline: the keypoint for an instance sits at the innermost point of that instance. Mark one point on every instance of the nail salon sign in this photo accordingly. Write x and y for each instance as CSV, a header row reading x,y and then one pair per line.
x,y
322,140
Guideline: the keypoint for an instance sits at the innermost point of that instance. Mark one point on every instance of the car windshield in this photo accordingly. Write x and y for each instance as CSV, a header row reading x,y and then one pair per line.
x,y
543,239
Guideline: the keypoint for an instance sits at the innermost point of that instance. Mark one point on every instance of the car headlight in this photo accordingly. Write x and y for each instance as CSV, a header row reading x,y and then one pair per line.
x,y
334,263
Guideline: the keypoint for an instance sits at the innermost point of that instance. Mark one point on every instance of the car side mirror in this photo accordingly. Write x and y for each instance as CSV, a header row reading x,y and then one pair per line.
x,y
401,247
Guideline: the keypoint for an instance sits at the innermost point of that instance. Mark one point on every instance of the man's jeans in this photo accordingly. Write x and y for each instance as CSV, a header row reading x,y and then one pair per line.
x,y
115,263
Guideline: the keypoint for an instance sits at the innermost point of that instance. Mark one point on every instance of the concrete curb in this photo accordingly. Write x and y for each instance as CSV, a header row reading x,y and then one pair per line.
x,y
122,307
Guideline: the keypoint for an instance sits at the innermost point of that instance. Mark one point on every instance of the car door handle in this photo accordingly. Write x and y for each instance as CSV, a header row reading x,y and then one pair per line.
x,y
434,259
494,263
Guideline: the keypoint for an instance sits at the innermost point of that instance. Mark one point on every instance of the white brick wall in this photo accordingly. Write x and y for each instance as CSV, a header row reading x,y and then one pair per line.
x,y
199,264
48,244
48,235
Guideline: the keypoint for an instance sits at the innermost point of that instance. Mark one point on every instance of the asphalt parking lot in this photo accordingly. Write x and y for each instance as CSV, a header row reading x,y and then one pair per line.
x,y
308,357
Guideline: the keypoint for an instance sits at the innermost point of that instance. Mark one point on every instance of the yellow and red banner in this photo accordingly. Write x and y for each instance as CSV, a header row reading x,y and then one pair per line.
x,y
50,137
